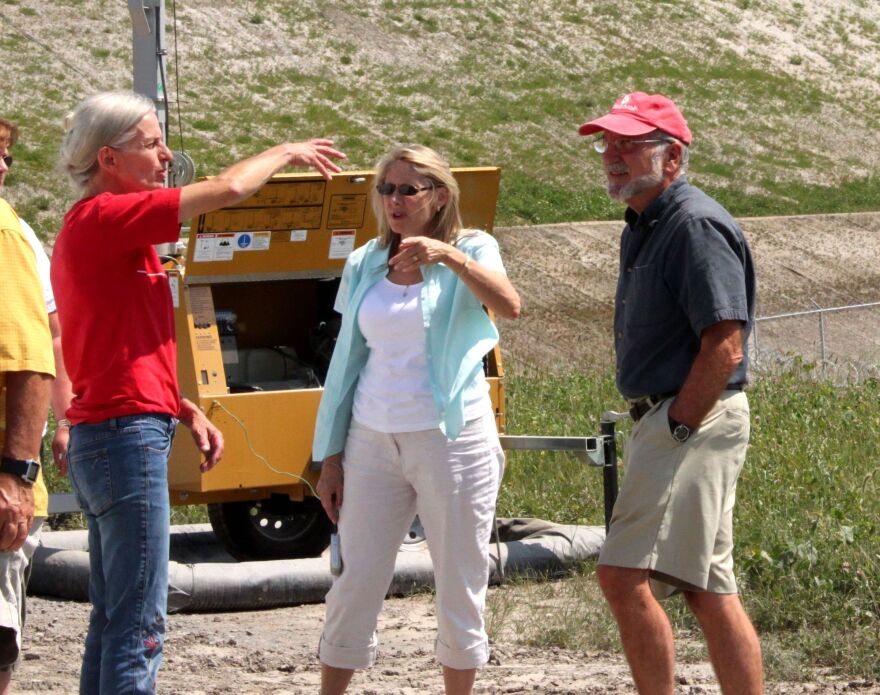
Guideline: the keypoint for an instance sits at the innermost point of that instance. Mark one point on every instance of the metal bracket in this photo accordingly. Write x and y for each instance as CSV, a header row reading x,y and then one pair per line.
x,y
598,451
589,450
138,12
63,503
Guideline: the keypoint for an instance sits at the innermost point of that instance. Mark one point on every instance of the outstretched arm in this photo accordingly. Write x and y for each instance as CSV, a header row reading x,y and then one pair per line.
x,y
244,178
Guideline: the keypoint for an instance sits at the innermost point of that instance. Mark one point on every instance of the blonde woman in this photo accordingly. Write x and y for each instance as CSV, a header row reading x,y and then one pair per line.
x,y
406,425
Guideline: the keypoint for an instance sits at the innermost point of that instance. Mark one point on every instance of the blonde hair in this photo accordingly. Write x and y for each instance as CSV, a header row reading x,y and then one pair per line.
x,y
428,163
106,119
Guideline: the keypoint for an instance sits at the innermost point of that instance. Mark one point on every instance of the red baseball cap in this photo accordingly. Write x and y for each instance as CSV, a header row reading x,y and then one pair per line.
x,y
638,113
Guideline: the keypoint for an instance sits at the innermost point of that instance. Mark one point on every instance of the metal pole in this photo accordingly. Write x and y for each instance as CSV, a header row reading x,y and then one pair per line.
x,y
609,471
148,54
755,357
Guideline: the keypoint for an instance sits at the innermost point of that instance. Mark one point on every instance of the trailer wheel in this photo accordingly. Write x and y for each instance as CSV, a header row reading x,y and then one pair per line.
x,y
271,529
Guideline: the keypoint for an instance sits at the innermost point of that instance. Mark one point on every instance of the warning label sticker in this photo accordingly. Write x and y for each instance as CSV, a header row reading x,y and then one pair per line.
x,y
341,243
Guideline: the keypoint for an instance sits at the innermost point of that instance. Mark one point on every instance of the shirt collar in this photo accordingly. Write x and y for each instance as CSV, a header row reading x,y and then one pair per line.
x,y
651,214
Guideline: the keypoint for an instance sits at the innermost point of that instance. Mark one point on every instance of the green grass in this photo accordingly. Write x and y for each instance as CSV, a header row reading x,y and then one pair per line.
x,y
807,521
511,94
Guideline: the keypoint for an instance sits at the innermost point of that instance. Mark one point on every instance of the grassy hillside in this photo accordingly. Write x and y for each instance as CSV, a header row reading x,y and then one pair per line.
x,y
782,96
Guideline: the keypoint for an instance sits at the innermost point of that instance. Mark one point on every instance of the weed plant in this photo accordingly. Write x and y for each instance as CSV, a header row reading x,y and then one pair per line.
x,y
807,521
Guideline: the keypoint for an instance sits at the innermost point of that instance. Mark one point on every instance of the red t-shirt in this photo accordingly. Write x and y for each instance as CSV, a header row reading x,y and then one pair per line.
x,y
114,304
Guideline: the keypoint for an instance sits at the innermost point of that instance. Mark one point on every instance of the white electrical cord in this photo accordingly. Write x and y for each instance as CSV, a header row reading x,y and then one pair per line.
x,y
260,457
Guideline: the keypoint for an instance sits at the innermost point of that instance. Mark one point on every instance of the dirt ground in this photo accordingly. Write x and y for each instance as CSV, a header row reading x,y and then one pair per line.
x,y
273,652
565,274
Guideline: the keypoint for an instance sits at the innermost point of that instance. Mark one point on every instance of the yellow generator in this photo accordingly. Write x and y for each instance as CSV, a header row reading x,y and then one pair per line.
x,y
255,328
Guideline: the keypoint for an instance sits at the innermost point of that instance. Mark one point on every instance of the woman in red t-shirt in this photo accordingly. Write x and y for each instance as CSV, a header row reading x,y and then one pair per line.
x,y
114,304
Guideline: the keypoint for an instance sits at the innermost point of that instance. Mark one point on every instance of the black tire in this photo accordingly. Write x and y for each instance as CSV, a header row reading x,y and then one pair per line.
x,y
271,529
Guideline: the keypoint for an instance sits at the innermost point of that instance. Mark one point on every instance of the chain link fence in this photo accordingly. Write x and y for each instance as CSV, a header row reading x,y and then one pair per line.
x,y
839,343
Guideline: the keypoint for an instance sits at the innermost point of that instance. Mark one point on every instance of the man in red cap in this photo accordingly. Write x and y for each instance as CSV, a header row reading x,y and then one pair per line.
x,y
684,308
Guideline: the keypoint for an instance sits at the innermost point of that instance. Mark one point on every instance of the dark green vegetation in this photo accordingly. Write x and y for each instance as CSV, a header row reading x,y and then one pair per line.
x,y
781,97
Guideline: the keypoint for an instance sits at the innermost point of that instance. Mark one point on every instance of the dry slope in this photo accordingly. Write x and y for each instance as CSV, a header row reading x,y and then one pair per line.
x,y
566,274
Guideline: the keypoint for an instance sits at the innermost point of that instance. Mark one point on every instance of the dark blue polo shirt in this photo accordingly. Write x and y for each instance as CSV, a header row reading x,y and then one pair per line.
x,y
684,266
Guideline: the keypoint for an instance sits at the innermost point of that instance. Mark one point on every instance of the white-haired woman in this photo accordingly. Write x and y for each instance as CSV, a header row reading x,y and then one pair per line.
x,y
115,308
406,424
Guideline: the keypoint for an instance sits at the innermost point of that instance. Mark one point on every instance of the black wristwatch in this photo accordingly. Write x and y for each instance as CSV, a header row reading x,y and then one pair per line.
x,y
680,432
26,469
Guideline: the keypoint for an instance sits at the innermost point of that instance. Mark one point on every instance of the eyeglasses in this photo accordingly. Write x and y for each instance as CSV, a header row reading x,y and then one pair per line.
x,y
7,160
404,189
601,144
156,143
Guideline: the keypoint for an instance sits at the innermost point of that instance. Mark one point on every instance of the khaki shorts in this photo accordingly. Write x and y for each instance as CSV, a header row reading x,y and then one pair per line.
x,y
674,513
13,582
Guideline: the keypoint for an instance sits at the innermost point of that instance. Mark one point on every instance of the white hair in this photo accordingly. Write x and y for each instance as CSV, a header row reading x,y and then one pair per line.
x,y
104,119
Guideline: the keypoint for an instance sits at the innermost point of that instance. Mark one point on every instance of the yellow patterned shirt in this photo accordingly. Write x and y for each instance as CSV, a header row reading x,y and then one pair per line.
x,y
25,342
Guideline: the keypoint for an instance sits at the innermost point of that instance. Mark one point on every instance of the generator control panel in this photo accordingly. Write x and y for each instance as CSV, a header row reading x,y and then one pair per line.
x,y
301,226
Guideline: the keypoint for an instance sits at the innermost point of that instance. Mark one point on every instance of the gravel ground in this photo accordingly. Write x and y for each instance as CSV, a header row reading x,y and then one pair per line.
x,y
263,652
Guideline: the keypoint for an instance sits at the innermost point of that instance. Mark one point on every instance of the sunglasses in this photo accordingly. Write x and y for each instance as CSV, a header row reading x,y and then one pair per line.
x,y
7,160
404,189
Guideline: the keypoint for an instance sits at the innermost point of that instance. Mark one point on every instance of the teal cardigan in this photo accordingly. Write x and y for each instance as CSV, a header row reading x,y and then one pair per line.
x,y
458,334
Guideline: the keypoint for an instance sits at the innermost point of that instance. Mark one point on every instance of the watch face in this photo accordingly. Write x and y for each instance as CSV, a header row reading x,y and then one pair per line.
x,y
33,472
27,469
681,433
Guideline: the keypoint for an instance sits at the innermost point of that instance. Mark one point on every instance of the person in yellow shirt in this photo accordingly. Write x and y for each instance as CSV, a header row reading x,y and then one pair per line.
x,y
27,367
62,391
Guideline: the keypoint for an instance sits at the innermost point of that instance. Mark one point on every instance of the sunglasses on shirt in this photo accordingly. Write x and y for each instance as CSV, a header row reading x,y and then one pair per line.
x,y
404,189
7,160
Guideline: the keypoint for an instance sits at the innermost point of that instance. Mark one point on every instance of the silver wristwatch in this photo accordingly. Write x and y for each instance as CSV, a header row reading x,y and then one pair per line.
x,y
680,432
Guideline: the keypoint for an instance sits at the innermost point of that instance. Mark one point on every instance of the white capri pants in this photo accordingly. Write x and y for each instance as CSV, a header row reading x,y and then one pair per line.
x,y
452,486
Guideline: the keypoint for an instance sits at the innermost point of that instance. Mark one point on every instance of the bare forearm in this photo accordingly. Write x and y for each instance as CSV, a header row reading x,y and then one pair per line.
x,y
245,178
232,185
720,354
207,437
188,412
492,288
62,390
27,404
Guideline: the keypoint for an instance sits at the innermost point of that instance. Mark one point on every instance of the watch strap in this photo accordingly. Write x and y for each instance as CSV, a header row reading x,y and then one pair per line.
x,y
26,469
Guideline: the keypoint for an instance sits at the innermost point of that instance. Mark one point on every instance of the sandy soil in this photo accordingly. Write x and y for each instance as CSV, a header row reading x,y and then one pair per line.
x,y
274,652
566,274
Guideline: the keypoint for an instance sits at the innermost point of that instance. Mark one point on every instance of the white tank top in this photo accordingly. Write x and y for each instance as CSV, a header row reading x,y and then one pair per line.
x,y
394,389
394,392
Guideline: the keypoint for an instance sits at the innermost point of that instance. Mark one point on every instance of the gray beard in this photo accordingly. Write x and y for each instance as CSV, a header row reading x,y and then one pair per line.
x,y
635,187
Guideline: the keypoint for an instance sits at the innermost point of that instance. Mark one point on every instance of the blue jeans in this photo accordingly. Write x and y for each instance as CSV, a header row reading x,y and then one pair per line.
x,y
119,471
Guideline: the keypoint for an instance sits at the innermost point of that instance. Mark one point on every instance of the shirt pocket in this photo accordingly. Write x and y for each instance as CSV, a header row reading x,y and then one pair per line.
x,y
647,300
